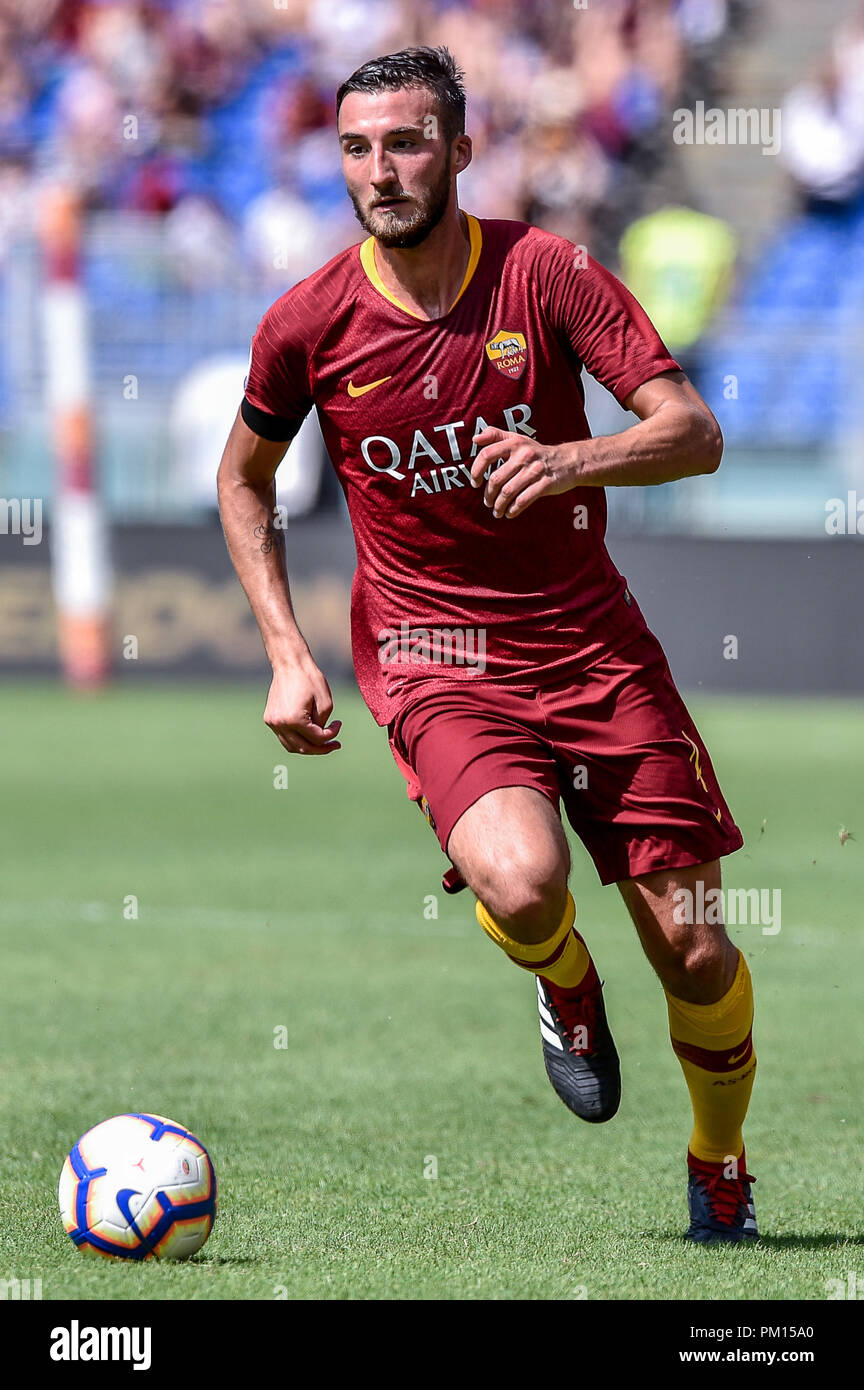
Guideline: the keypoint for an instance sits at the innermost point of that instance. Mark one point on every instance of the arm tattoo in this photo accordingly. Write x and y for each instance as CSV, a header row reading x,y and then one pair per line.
x,y
269,535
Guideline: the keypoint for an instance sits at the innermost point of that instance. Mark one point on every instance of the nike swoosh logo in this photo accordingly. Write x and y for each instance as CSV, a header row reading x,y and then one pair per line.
x,y
122,1200
732,1060
361,390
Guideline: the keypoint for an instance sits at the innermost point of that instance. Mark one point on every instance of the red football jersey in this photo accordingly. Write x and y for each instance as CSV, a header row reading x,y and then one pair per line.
x,y
444,590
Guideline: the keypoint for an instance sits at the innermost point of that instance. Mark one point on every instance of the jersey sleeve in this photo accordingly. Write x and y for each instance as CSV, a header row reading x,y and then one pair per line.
x,y
277,394
602,325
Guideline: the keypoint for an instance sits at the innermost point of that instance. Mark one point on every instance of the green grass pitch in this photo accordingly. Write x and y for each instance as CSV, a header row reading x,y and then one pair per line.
x,y
409,1039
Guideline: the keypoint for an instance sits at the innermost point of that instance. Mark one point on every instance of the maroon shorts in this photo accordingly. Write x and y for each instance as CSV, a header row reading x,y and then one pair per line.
x,y
616,745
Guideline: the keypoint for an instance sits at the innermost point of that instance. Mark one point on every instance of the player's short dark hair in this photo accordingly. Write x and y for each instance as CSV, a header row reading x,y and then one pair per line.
x,y
434,68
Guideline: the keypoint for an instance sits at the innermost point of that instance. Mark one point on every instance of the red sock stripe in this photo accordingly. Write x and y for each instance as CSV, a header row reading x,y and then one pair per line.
x,y
728,1059
542,964
703,1165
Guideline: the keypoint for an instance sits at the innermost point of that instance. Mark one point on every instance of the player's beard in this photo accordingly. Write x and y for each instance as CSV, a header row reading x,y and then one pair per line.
x,y
392,227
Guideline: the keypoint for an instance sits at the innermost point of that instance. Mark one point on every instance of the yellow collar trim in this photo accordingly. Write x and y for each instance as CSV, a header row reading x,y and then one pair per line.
x,y
367,260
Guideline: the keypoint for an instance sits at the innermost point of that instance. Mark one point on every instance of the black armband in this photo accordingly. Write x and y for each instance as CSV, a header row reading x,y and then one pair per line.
x,y
271,427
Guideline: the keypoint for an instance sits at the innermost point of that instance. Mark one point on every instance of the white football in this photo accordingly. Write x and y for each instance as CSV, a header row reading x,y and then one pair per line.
x,y
138,1186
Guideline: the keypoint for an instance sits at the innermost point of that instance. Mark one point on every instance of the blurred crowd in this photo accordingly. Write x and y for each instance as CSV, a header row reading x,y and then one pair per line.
x,y
217,116
823,124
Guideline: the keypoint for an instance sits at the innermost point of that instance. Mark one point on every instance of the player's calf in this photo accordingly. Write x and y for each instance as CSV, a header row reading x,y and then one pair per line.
x,y
512,851
709,998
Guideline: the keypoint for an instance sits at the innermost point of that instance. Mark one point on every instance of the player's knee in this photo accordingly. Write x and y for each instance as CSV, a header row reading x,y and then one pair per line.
x,y
701,963
526,896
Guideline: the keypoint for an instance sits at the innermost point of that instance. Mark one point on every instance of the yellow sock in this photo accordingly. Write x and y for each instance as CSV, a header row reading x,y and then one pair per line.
x,y
714,1044
563,959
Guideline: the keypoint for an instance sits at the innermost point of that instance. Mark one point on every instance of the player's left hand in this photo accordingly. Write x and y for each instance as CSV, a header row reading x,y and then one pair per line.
x,y
529,470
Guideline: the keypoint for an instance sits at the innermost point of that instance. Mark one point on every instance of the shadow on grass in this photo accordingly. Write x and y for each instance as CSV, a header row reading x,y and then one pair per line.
x,y
823,1240
222,1260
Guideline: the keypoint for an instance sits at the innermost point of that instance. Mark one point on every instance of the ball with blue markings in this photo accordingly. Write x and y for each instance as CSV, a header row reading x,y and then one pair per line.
x,y
138,1186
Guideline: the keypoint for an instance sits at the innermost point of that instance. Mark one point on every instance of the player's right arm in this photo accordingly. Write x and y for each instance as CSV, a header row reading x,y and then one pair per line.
x,y
299,704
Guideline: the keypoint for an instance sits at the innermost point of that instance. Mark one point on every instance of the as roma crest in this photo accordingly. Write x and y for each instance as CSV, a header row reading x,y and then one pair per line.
x,y
508,352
